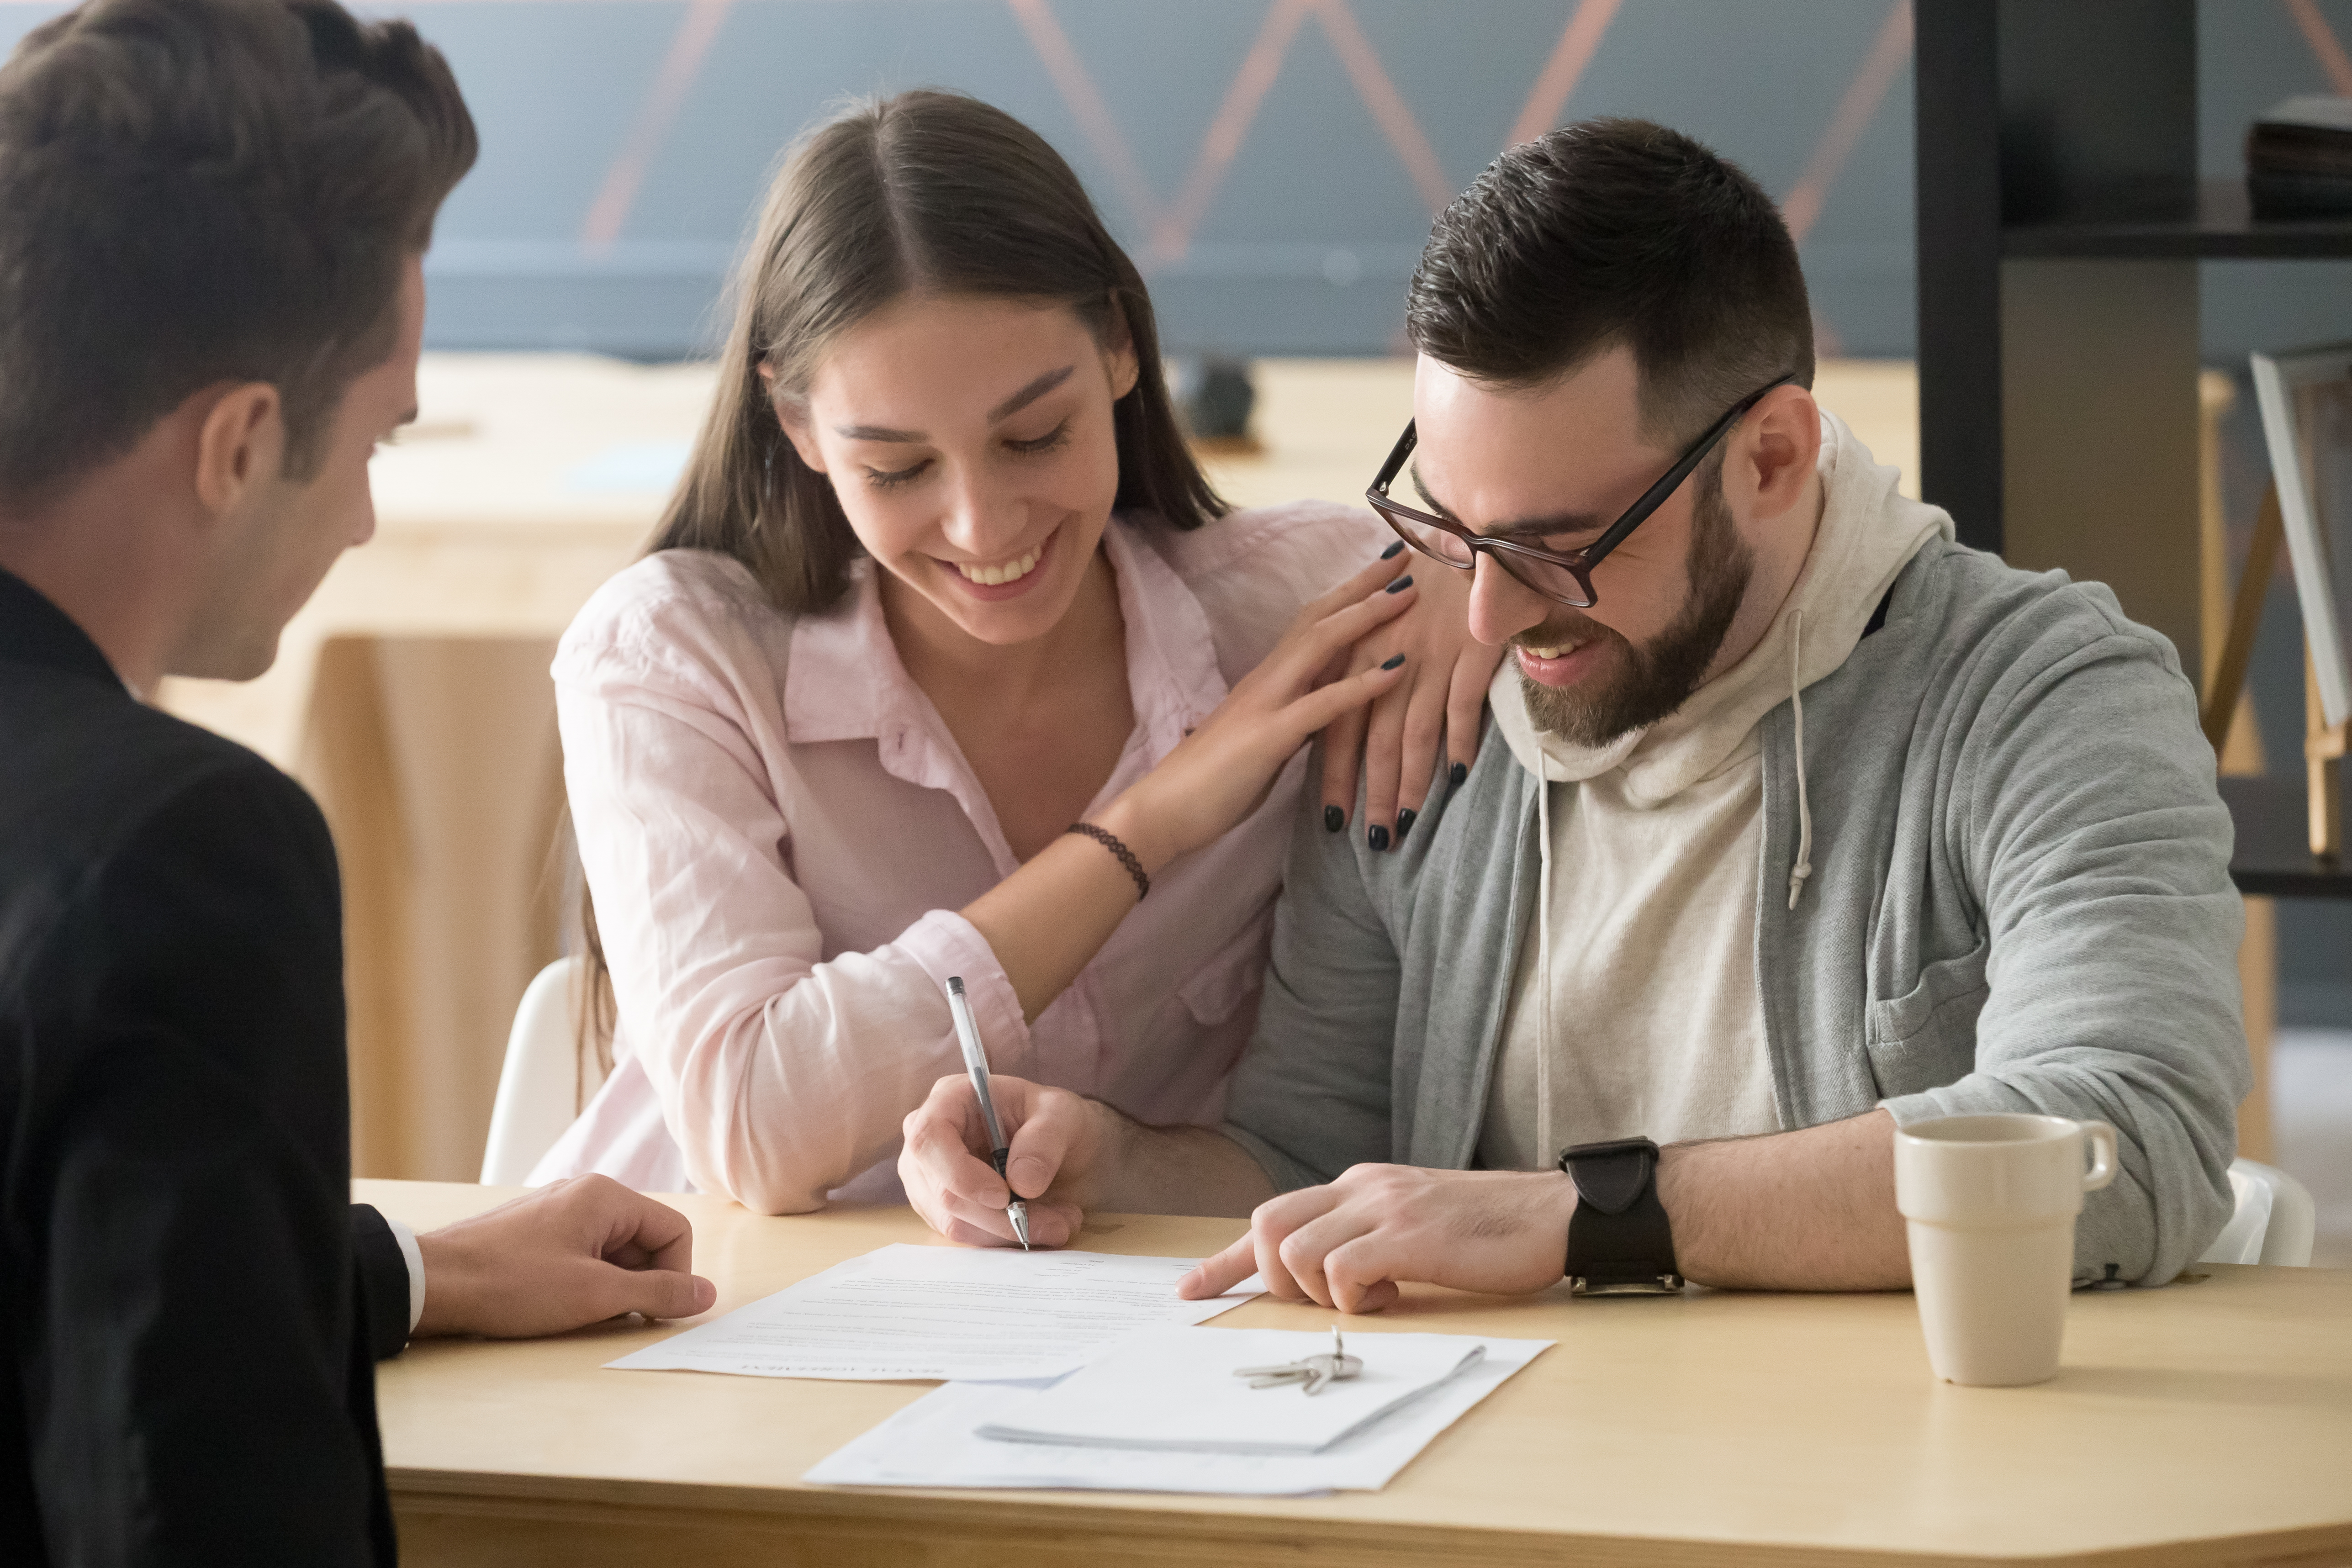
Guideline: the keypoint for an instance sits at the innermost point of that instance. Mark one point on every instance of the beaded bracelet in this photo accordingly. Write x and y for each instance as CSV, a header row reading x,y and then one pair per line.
x,y
1126,856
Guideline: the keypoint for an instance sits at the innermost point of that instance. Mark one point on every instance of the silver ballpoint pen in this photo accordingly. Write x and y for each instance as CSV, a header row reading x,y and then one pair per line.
x,y
975,1062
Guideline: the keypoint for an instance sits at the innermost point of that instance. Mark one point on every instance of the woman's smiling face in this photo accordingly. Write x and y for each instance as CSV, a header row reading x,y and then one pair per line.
x,y
970,441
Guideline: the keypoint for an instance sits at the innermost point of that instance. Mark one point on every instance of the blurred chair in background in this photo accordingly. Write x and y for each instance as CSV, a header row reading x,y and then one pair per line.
x,y
2274,1222
547,1077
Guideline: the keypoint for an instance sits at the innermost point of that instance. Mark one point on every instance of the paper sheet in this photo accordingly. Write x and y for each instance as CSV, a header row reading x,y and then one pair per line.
x,y
931,1444
972,1314
1176,1388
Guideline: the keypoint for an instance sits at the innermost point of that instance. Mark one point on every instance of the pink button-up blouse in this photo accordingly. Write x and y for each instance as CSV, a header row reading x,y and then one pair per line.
x,y
778,831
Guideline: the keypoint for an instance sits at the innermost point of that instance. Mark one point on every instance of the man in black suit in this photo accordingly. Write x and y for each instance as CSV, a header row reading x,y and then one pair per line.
x,y
212,216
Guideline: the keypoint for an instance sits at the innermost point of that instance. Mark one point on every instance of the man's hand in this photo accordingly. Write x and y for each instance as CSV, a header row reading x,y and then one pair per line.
x,y
1349,1244
1056,1139
572,1253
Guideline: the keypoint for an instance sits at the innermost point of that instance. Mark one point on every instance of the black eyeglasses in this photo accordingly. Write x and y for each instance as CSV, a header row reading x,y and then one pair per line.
x,y
1564,576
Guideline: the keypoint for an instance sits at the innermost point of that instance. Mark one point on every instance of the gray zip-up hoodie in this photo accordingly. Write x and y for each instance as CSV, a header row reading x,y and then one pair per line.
x,y
2020,900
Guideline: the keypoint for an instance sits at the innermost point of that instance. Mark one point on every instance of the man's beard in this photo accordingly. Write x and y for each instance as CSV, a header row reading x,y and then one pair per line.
x,y
1659,675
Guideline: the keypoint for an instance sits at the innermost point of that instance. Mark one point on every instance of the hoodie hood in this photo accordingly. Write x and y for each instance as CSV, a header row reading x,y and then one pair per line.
x,y
1867,534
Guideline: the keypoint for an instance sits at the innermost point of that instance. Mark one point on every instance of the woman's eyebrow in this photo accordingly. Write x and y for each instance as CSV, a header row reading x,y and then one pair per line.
x,y
1030,393
1004,410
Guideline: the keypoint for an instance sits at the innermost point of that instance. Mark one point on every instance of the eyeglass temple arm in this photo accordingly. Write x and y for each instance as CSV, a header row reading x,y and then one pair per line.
x,y
1655,495
1395,465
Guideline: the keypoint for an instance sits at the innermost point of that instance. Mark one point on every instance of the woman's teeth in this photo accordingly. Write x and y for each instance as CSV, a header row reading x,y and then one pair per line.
x,y
1003,571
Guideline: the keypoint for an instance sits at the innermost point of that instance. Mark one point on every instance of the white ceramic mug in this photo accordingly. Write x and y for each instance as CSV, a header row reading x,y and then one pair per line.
x,y
1991,1204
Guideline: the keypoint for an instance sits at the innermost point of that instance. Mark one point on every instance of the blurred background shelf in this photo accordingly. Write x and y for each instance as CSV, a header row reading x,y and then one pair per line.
x,y
2273,858
2212,221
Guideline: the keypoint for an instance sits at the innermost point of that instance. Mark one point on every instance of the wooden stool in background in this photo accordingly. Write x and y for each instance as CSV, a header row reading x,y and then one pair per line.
x,y
2228,637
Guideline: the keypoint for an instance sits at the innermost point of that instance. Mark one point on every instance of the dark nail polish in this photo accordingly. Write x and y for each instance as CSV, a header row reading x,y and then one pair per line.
x,y
1394,660
1405,821
1390,553
1378,838
1401,584
1457,773
1334,818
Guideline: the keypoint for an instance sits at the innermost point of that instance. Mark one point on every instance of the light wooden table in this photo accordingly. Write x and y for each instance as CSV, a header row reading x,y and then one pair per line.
x,y
2209,1423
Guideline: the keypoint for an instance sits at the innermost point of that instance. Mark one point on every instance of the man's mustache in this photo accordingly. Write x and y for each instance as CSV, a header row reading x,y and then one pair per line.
x,y
1565,629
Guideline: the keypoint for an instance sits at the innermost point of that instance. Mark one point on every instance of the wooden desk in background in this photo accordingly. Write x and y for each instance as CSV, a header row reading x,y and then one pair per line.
x,y
2208,1423
411,695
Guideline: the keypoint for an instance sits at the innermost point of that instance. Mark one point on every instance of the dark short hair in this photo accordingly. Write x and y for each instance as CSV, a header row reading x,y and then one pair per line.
x,y
923,192
1615,232
203,191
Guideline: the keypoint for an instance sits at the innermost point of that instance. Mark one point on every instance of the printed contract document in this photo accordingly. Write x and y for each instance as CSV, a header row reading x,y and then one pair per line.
x,y
935,1441
968,1313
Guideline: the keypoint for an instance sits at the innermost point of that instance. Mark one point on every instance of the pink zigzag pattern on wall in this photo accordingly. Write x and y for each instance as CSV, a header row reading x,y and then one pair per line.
x,y
1172,224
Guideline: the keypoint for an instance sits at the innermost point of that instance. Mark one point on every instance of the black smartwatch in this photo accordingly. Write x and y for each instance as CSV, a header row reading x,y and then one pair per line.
x,y
1619,1243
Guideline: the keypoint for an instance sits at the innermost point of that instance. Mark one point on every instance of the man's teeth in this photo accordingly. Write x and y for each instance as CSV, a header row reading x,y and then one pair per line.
x,y
1005,572
1562,651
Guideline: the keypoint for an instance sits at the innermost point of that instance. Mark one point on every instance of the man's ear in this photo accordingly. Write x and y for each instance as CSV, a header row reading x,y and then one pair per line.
x,y
1779,447
240,445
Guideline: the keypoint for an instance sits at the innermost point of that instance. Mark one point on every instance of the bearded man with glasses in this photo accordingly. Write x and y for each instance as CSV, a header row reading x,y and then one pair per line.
x,y
1796,822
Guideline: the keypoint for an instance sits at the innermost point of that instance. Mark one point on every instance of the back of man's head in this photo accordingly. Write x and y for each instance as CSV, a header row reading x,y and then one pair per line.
x,y
1609,233
195,191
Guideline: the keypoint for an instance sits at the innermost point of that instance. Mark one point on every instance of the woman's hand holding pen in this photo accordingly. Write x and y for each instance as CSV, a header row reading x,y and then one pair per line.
x,y
1070,1156
957,1190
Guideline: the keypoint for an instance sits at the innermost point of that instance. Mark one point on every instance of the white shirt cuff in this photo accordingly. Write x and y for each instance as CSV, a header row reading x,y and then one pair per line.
x,y
414,1256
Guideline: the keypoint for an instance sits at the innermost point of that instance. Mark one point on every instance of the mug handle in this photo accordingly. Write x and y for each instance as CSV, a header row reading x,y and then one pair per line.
x,y
2102,1139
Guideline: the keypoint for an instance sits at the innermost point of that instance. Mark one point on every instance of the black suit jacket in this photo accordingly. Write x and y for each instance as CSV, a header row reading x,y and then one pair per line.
x,y
190,1306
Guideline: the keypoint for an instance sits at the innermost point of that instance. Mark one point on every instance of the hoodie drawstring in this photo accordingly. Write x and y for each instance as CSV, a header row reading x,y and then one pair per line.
x,y
1543,961
1804,866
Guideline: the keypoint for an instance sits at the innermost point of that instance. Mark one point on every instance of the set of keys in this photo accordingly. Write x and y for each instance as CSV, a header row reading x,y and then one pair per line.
x,y
1314,1373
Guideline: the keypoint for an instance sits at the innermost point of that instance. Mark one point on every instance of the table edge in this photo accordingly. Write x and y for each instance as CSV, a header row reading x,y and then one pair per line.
x,y
1163,1517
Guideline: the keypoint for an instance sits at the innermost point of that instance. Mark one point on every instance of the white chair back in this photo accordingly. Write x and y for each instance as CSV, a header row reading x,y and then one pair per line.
x,y
2274,1222
542,1084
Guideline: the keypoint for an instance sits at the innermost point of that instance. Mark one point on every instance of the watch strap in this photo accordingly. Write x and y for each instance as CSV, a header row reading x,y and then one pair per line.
x,y
1619,1239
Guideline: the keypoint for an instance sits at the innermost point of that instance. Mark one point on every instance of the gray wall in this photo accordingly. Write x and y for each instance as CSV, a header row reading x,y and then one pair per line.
x,y
625,143
1308,237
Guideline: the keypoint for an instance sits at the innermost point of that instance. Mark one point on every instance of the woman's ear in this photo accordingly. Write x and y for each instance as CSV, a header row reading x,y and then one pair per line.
x,y
794,416
1118,354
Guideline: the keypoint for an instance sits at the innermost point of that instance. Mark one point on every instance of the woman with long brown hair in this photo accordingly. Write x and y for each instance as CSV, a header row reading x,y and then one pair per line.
x,y
946,656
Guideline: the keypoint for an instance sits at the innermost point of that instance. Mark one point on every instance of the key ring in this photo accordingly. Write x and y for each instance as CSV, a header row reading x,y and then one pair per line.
x,y
1313,1373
